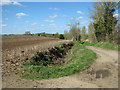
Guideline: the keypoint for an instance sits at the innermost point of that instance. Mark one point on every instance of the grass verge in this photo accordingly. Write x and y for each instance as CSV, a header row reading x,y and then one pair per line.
x,y
105,45
80,60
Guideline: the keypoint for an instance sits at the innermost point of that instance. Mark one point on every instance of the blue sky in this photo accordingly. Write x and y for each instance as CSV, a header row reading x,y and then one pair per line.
x,y
38,17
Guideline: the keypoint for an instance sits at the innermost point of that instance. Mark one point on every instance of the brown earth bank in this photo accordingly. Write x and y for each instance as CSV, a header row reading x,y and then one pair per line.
x,y
18,49
101,74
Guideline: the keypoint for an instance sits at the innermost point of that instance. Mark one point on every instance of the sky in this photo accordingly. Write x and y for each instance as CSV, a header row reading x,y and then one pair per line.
x,y
38,17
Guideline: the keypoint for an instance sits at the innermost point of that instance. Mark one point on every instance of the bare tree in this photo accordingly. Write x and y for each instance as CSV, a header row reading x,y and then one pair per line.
x,y
83,33
75,30
91,34
67,35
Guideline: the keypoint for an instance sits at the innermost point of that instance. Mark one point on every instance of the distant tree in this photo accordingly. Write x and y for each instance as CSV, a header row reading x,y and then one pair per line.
x,y
91,34
43,34
79,35
38,34
83,33
67,35
61,36
53,34
75,31
78,32
57,35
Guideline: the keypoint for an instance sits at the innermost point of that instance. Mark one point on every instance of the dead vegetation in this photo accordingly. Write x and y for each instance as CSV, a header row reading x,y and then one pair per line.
x,y
52,56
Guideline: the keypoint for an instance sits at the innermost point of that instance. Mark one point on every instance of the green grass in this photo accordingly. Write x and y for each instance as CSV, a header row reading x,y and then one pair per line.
x,y
105,45
80,59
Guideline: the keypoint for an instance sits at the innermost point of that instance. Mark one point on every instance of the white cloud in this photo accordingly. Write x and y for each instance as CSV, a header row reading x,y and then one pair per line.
x,y
17,3
79,12
53,8
3,25
48,20
78,18
52,21
19,15
9,2
53,16
33,23
116,15
42,25
56,9
5,2
52,24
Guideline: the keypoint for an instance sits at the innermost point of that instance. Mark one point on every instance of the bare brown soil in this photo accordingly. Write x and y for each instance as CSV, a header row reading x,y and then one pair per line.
x,y
101,74
10,42
18,49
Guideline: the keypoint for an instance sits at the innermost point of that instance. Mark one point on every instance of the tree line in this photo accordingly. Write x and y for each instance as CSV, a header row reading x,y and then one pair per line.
x,y
103,28
75,32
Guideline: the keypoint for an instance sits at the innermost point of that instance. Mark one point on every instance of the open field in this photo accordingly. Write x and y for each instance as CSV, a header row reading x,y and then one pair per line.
x,y
10,42
17,49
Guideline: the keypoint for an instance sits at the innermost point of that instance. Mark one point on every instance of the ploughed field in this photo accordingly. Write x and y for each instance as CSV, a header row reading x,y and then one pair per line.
x,y
10,42
17,49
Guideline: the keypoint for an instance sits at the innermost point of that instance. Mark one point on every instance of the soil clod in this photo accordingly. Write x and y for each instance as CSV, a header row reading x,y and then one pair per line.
x,y
52,56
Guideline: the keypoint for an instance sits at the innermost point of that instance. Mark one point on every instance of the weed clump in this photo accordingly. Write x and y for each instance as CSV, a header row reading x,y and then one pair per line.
x,y
52,56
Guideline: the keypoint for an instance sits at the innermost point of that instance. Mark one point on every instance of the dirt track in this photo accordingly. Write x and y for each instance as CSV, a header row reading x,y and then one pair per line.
x,y
101,74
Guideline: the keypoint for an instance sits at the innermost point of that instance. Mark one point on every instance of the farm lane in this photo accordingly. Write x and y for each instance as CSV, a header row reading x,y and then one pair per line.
x,y
104,72
112,55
